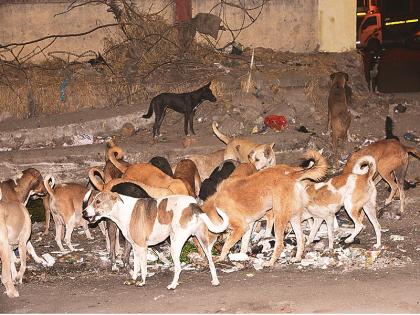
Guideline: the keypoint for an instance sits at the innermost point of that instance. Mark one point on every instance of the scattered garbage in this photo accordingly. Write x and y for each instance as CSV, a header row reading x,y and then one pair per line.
x,y
83,139
400,108
275,122
49,259
396,238
238,257
409,136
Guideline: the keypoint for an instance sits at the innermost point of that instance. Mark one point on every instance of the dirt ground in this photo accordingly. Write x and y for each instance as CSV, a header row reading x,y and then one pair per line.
x,y
82,282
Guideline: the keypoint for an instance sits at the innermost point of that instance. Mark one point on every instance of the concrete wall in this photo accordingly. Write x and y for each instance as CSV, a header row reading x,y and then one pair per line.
x,y
283,24
296,26
337,25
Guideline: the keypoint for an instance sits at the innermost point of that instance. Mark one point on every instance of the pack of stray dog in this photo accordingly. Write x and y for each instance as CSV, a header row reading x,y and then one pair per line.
x,y
204,196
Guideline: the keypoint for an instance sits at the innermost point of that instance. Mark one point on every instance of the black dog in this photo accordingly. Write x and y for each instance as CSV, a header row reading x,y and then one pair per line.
x,y
184,103
220,173
162,164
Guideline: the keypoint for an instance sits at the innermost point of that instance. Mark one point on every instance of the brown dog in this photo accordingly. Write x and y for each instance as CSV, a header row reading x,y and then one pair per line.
x,y
147,174
187,171
339,116
244,150
15,231
246,200
65,203
391,160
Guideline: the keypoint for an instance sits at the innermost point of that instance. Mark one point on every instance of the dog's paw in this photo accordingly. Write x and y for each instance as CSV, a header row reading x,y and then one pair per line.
x,y
12,293
377,246
139,283
172,286
215,282
115,268
129,282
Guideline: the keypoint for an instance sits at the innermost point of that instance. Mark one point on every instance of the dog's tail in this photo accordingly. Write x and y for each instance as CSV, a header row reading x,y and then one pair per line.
x,y
115,154
218,134
365,165
215,228
47,185
150,111
389,129
94,180
316,169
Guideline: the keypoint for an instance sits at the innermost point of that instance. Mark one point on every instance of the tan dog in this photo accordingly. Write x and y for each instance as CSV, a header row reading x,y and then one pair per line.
x,y
20,189
246,200
146,222
65,203
206,163
187,171
244,150
391,160
147,174
339,116
355,191
15,230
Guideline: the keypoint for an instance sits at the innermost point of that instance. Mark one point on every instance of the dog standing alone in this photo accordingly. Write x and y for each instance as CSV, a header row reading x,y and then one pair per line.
x,y
184,103
339,116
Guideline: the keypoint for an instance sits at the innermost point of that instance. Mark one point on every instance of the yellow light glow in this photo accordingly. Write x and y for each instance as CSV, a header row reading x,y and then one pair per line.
x,y
395,23
412,21
361,14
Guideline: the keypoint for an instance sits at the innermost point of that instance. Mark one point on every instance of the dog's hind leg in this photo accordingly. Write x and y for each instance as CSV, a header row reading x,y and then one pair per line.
x,y
237,231
177,242
356,215
246,238
388,177
140,264
300,241
330,230
159,116
33,254
46,203
314,229
69,230
22,255
207,245
58,234
400,173
87,231
6,277
370,210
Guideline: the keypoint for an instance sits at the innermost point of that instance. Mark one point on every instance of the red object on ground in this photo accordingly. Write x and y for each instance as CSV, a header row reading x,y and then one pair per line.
x,y
275,122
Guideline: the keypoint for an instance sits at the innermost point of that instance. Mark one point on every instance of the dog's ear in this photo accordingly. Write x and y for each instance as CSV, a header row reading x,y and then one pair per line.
x,y
116,197
332,76
208,84
251,156
272,144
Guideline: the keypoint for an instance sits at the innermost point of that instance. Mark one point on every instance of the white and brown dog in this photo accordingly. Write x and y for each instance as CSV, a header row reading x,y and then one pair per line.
x,y
15,231
146,222
245,151
65,203
355,191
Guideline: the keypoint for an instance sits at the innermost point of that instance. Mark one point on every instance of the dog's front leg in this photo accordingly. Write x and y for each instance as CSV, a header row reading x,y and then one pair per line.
x,y
330,230
112,232
191,119
186,119
246,239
